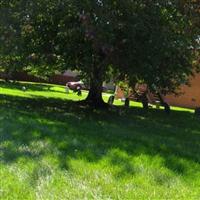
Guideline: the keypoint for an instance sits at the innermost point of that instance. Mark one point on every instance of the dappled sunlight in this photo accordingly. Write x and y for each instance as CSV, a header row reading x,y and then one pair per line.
x,y
49,143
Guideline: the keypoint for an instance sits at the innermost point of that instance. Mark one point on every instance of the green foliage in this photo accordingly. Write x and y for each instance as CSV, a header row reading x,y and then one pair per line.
x,y
152,41
124,85
11,46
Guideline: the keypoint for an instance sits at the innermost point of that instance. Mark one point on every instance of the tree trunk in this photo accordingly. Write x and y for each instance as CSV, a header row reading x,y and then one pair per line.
x,y
94,97
145,102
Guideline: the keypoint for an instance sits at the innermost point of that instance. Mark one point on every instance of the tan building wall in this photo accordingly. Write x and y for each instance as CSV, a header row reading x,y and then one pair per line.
x,y
190,97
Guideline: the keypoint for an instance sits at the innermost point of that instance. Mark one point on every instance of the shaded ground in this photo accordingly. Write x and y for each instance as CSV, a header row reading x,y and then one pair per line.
x,y
53,149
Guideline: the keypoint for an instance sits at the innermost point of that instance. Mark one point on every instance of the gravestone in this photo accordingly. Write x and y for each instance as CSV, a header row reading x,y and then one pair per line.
x,y
67,89
197,112
79,93
166,107
145,102
111,100
127,102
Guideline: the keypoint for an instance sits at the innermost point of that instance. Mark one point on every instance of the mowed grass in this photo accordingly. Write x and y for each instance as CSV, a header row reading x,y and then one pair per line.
x,y
52,148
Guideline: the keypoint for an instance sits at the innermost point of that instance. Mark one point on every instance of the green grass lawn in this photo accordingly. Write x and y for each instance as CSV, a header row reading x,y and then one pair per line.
x,y
51,148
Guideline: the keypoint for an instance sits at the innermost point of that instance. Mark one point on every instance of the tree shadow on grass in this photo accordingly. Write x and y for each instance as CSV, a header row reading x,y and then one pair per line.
x,y
32,128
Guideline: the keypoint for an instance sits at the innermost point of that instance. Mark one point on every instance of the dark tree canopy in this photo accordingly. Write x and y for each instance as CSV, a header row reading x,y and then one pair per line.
x,y
153,41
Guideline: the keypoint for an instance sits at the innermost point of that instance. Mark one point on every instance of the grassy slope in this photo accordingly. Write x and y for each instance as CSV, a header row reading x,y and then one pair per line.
x,y
53,149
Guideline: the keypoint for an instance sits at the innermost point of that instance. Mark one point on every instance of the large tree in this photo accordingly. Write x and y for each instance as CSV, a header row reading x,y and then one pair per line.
x,y
142,40
10,40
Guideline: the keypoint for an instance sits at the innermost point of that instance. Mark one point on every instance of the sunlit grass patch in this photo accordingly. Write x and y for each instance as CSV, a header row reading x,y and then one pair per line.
x,y
50,148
